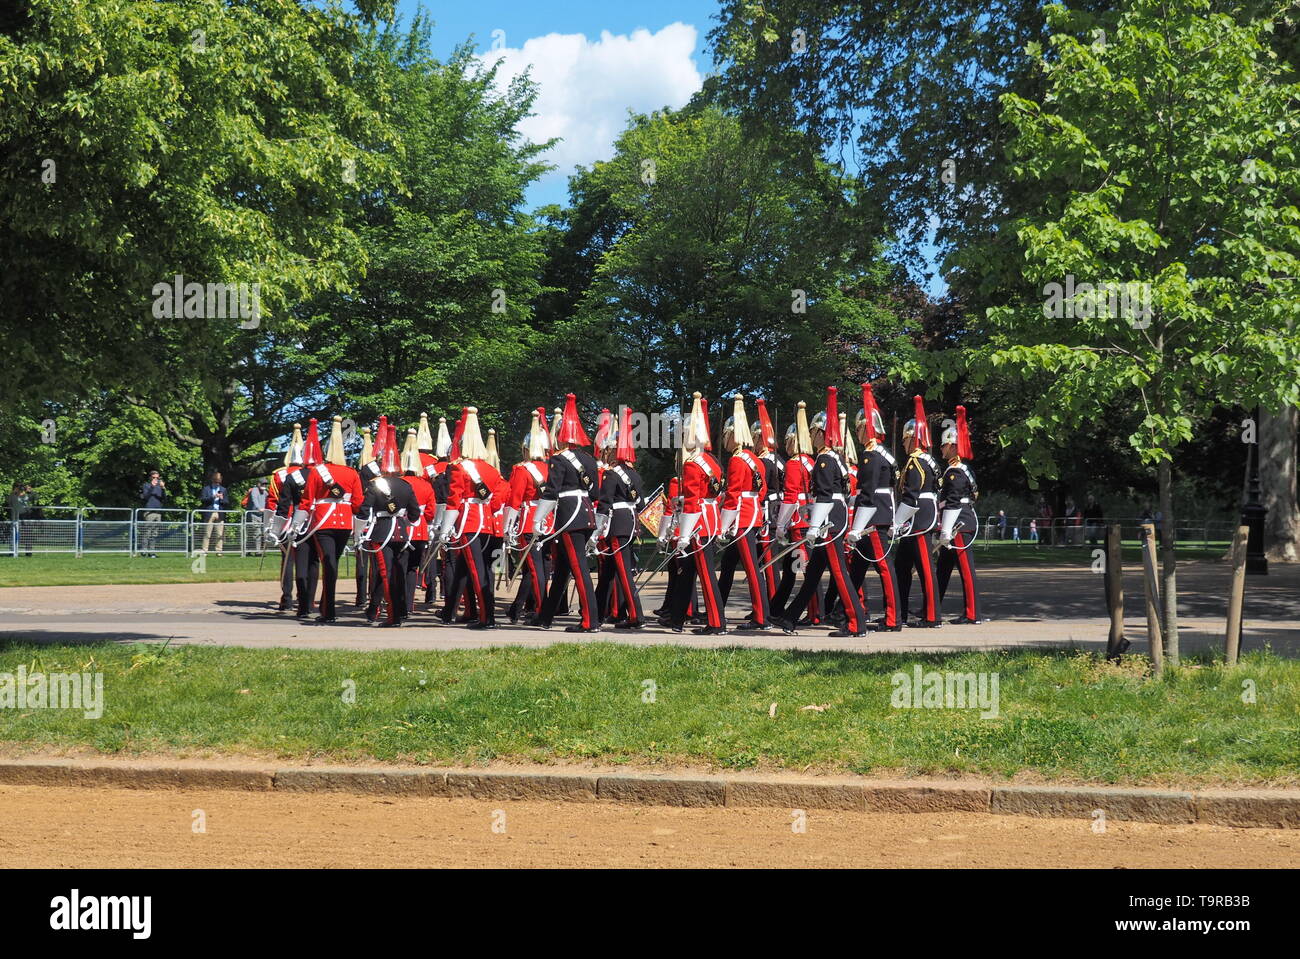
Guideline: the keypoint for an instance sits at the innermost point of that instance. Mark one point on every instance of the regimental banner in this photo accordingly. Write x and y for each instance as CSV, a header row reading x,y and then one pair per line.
x,y
653,514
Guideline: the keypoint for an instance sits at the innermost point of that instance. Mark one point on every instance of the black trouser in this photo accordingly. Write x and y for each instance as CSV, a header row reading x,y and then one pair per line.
x,y
363,577
871,551
414,560
829,554
471,572
960,556
306,566
287,575
666,609
746,551
617,573
914,553
697,563
327,549
570,560
532,579
389,584
786,586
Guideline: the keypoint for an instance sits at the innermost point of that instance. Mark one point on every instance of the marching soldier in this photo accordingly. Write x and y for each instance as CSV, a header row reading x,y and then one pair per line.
x,y
697,528
915,518
278,490
743,515
792,522
874,515
467,523
828,520
957,494
436,472
363,558
849,454
774,468
526,481
294,505
389,509
570,482
332,492
620,501
418,550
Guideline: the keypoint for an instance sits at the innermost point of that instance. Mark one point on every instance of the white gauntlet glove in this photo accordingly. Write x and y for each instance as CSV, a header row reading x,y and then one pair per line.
x,y
818,517
861,516
686,529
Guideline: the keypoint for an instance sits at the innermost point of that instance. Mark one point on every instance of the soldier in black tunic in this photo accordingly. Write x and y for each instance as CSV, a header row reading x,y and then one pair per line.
x,y
389,509
873,512
620,501
915,519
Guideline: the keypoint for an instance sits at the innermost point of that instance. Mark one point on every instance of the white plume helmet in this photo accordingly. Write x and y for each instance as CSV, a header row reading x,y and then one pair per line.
x,y
695,433
411,453
336,456
423,438
850,451
737,424
492,456
442,449
555,424
293,455
472,446
798,432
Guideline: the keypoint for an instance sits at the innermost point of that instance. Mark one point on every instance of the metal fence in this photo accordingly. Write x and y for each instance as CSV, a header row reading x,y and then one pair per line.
x,y
1063,531
135,532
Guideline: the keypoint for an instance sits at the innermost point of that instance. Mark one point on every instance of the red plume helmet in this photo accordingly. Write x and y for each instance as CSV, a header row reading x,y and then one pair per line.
x,y
311,451
571,431
923,441
626,452
832,430
458,434
963,435
766,430
390,462
381,439
871,414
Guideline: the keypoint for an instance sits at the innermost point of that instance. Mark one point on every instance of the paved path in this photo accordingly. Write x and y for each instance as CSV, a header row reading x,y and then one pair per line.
x,y
1027,606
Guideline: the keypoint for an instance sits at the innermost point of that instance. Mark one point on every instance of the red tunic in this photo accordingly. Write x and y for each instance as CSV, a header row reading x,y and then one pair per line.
x,y
743,471
463,495
701,479
428,505
332,493
525,480
798,476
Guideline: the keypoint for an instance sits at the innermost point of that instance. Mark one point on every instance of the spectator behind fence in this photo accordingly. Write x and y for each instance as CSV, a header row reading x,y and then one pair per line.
x,y
1044,522
1002,524
20,505
213,500
255,502
1094,520
153,497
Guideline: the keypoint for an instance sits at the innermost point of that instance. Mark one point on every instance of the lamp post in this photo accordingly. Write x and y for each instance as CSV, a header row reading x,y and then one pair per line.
x,y
1253,512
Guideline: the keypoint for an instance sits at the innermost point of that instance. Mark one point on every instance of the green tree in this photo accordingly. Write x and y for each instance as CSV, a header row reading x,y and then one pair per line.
x,y
1174,140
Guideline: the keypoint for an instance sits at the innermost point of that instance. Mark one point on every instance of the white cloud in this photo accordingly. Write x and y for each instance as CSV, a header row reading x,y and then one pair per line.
x,y
585,89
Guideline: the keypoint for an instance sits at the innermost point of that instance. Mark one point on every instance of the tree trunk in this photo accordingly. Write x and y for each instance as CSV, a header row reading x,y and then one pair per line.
x,y
1168,564
1277,478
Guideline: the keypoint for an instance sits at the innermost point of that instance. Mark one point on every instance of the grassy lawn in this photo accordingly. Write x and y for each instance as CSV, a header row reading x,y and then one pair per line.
x,y
95,569
64,569
1063,716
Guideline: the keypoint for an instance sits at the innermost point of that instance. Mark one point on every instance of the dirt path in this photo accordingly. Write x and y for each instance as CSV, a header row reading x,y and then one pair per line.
x,y
112,828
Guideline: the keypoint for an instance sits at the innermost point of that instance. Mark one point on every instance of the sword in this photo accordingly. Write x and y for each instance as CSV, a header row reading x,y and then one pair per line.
x,y
650,574
802,541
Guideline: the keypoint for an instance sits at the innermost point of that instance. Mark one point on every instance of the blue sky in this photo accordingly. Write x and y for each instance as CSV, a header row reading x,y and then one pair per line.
x,y
593,62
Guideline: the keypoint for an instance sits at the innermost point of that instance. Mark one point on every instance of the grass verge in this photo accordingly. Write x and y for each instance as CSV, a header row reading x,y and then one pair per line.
x,y
1061,716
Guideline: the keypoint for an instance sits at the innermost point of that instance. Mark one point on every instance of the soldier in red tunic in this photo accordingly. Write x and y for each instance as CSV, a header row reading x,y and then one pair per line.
x,y
467,523
521,532
743,515
697,528
420,533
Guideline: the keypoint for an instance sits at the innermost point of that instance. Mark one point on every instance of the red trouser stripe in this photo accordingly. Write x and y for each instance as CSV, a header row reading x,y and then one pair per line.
x,y
847,599
927,584
472,561
887,584
537,579
967,575
623,579
383,578
746,547
707,587
584,601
